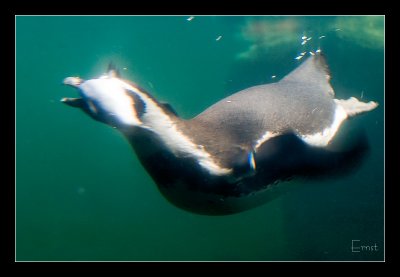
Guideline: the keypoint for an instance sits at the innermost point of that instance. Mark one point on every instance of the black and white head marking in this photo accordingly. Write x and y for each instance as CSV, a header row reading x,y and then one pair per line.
x,y
122,104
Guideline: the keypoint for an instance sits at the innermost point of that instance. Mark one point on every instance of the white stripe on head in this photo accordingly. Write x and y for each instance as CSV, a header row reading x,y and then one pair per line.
x,y
156,120
113,98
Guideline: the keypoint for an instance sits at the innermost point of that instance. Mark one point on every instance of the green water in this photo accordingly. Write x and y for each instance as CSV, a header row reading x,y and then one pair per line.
x,y
81,193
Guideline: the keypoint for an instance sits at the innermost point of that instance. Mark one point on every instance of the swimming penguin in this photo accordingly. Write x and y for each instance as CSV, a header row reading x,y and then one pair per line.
x,y
230,157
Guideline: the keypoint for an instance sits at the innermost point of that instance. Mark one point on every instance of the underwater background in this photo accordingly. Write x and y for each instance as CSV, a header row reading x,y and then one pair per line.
x,y
81,193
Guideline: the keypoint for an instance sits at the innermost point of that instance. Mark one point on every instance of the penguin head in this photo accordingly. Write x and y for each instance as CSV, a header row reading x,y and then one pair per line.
x,y
108,99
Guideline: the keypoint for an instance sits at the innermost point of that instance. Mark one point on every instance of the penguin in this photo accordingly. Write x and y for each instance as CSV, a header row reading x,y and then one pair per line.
x,y
236,154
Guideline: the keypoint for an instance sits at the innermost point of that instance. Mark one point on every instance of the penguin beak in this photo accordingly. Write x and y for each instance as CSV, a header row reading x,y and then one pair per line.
x,y
73,82
73,102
